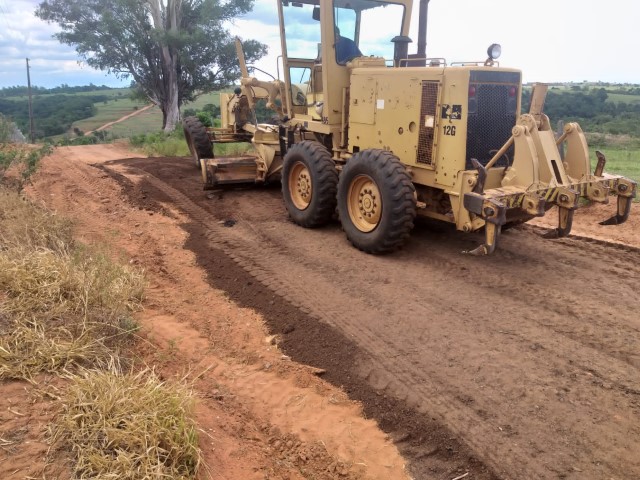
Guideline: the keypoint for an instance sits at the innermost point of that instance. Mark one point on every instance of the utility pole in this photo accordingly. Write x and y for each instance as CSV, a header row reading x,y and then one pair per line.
x,y
32,135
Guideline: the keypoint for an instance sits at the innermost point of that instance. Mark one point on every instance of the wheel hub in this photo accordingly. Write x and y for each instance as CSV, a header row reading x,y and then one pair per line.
x,y
365,203
368,203
304,187
300,186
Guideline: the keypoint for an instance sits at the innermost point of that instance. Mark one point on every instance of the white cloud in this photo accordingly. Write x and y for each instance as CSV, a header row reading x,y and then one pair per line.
x,y
23,35
550,40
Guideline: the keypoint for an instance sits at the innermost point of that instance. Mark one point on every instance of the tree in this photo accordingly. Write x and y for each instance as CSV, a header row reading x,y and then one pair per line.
x,y
173,49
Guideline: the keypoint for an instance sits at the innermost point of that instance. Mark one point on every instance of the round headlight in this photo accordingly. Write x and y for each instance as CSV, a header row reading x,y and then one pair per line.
x,y
494,51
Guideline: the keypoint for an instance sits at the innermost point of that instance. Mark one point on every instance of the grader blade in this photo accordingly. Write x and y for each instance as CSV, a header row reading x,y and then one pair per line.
x,y
228,170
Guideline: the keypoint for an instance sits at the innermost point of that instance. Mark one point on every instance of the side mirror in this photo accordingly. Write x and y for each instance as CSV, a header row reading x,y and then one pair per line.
x,y
316,13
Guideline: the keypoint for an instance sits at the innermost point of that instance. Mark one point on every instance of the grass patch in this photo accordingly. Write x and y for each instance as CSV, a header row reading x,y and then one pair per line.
x,y
66,310
161,144
23,224
128,426
61,303
620,160
63,310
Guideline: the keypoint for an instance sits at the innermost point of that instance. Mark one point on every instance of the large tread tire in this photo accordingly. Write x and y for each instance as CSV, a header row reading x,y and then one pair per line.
x,y
195,133
309,184
383,201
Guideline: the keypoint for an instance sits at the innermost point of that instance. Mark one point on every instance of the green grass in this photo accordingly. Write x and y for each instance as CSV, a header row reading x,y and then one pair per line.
x,y
620,160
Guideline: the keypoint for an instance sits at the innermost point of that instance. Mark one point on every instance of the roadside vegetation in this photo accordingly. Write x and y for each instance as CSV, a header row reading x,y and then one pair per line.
x,y
161,144
609,114
67,309
22,160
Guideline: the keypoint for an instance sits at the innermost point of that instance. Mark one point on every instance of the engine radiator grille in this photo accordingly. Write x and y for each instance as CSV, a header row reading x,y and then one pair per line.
x,y
492,115
428,108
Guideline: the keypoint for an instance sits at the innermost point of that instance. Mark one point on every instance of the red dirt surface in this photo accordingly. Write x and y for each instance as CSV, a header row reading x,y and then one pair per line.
x,y
521,365
261,415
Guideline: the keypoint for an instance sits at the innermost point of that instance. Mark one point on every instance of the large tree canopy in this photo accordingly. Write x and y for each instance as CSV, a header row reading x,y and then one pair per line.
x,y
173,49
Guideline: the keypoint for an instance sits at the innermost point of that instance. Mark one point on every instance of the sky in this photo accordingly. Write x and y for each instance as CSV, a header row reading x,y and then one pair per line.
x,y
549,40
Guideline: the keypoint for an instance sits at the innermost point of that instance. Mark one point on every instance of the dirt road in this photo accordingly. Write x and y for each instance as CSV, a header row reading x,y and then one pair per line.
x,y
522,365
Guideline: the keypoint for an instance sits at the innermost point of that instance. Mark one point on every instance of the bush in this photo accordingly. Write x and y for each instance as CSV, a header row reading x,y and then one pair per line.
x,y
25,158
205,118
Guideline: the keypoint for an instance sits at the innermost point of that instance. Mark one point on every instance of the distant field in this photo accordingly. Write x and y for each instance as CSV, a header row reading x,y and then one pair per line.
x,y
618,97
146,122
108,112
612,95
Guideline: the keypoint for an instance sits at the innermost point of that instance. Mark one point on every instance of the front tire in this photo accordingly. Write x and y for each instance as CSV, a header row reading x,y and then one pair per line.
x,y
376,201
195,133
309,184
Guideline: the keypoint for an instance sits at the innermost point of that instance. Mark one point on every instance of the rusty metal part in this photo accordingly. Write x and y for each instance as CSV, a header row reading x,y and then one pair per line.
x,y
533,204
601,163
567,202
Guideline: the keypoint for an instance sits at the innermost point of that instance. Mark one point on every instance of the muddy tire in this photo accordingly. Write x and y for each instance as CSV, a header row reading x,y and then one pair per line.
x,y
376,201
195,133
309,184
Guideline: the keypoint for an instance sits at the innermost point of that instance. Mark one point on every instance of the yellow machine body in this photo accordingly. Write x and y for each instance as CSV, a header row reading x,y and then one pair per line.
x,y
454,130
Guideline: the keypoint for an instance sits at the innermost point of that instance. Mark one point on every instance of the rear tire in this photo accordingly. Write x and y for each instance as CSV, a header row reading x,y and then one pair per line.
x,y
309,184
376,201
195,133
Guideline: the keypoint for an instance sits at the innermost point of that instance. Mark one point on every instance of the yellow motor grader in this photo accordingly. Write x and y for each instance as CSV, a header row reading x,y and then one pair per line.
x,y
383,136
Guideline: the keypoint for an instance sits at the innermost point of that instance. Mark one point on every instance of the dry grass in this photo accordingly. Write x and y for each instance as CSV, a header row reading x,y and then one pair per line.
x,y
23,224
66,309
47,285
129,426
60,304
29,348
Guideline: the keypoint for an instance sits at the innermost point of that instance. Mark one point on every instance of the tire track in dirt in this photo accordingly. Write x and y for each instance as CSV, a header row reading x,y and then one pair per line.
x,y
549,352
234,244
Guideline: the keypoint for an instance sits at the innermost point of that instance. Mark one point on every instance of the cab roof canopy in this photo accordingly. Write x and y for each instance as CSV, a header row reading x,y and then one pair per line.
x,y
357,5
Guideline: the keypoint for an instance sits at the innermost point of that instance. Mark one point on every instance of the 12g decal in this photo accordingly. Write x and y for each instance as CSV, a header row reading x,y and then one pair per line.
x,y
450,130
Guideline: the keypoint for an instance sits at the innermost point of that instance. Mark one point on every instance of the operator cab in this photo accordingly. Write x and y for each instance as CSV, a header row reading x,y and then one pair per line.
x,y
359,28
